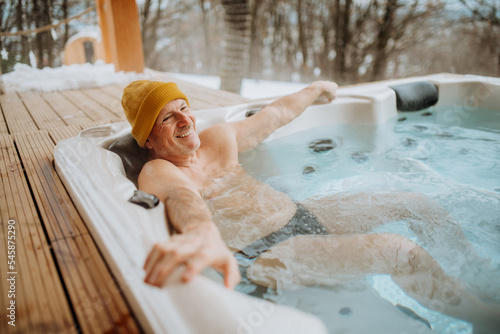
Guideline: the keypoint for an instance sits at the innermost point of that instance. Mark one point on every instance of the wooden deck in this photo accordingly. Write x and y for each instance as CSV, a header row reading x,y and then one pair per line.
x,y
60,280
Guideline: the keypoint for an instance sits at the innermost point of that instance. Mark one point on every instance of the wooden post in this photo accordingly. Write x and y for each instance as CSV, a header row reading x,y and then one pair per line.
x,y
121,34
104,26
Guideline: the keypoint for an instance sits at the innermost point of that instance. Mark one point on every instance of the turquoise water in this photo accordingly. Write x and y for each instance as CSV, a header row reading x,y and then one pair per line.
x,y
451,155
464,149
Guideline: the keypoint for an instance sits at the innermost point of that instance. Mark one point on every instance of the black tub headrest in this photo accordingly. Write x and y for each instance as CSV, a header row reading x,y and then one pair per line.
x,y
415,96
132,155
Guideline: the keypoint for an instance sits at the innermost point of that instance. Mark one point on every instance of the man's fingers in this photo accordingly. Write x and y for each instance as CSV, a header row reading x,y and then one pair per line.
x,y
229,268
321,100
162,270
195,254
194,267
153,256
157,252
163,259
232,274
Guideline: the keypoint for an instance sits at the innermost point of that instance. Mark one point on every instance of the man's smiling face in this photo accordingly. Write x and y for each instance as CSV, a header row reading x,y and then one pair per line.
x,y
174,132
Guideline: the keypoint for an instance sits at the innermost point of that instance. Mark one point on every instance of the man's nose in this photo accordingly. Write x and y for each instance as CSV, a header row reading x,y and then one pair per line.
x,y
183,120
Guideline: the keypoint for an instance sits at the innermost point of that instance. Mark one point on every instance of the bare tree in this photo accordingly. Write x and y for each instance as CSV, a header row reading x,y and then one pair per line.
x,y
208,56
342,18
20,24
485,11
42,14
146,8
2,8
168,35
302,24
258,31
237,37
150,29
2,26
386,29
485,20
6,24
347,40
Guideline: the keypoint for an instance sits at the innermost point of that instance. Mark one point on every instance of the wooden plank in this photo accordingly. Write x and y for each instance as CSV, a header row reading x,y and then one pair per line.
x,y
45,117
199,97
4,284
93,124
82,295
56,209
16,115
203,100
106,101
120,86
65,231
91,108
202,97
115,91
221,98
97,300
212,100
107,287
41,304
63,133
218,97
83,271
200,105
22,291
70,113
3,124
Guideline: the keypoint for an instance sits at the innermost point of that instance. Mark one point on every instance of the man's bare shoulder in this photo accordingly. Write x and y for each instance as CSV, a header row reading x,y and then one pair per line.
x,y
157,167
157,174
218,135
160,170
217,130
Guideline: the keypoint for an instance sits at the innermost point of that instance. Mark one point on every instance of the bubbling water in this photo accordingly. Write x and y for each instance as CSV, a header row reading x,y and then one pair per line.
x,y
450,156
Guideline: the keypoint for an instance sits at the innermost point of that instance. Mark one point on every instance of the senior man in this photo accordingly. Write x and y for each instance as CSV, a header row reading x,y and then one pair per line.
x,y
216,208
184,165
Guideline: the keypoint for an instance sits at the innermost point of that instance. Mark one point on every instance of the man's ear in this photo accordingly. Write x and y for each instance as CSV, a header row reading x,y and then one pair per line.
x,y
148,144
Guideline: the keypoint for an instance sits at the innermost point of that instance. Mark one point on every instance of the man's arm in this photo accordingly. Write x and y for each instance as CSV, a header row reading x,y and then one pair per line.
x,y
198,244
253,130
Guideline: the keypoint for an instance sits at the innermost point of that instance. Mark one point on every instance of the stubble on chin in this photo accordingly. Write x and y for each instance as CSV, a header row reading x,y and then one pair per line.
x,y
165,151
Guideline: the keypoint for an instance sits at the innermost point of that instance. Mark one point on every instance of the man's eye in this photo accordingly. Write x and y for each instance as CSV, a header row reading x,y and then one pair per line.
x,y
166,118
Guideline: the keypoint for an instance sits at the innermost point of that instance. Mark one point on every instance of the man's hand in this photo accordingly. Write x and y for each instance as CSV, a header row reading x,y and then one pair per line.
x,y
195,249
251,131
328,89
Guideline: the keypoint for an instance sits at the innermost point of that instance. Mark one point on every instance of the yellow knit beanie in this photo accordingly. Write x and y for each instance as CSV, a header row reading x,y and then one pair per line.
x,y
142,101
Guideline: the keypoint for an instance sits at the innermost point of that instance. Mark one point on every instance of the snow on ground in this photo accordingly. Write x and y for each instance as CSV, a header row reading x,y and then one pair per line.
x,y
27,78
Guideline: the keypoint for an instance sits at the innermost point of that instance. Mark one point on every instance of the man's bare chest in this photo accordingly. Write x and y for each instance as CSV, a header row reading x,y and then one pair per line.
x,y
211,167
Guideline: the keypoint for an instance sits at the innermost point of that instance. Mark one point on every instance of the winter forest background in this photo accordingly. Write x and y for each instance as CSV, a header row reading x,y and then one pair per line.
x,y
348,41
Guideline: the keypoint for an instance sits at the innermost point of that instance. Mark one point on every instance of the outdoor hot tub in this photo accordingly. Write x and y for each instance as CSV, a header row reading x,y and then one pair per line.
x,y
446,145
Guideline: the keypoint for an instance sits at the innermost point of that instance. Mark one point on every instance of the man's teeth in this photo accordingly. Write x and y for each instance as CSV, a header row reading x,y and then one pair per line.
x,y
184,134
